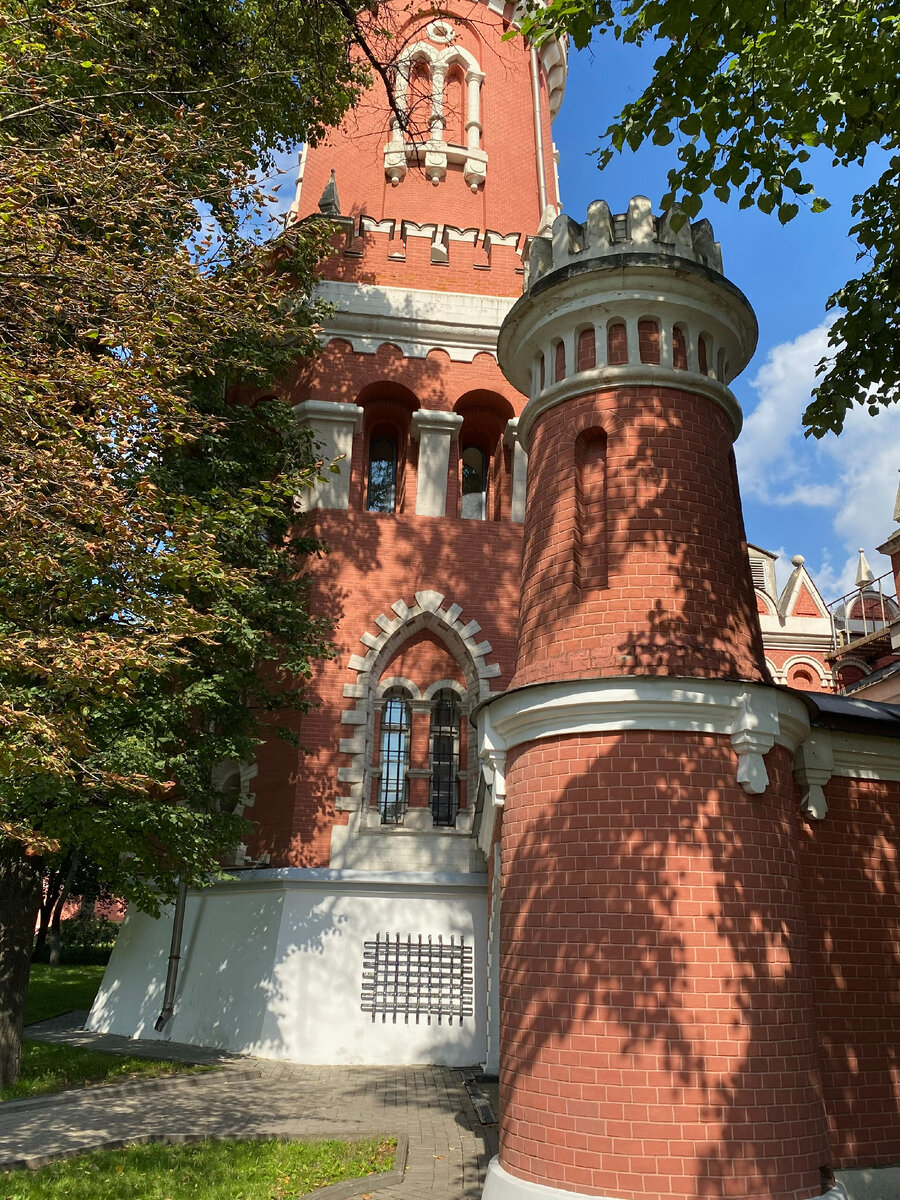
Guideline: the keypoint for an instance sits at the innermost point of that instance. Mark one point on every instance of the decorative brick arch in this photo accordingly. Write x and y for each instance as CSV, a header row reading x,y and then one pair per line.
x,y
428,612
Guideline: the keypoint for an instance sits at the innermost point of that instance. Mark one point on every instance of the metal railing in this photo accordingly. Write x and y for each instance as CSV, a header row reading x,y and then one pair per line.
x,y
864,611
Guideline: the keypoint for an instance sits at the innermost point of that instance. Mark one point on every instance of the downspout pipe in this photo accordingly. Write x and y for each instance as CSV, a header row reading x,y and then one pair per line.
x,y
168,1007
538,129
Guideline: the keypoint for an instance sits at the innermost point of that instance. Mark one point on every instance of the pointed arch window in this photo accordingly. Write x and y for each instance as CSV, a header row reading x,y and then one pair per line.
x,y
445,757
393,786
381,494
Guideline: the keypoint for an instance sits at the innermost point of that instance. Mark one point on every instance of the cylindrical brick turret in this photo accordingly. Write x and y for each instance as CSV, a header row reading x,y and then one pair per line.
x,y
634,559
656,1030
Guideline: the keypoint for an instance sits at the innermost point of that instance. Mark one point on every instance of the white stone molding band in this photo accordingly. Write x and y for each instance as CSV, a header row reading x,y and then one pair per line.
x,y
416,321
334,426
753,716
434,431
629,375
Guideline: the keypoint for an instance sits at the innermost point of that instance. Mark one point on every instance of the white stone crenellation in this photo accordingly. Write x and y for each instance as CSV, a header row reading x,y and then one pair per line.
x,y
635,231
625,301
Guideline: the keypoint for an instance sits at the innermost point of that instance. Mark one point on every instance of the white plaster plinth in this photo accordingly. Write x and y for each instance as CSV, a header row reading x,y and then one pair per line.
x,y
272,966
500,1184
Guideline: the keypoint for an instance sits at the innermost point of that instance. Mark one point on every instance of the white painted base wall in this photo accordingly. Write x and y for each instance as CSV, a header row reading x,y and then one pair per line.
x,y
272,966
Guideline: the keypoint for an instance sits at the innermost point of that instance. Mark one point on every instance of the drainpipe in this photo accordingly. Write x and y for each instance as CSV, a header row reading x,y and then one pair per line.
x,y
168,1007
538,130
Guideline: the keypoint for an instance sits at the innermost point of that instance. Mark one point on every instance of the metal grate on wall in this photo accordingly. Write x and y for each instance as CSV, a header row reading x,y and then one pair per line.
x,y
418,977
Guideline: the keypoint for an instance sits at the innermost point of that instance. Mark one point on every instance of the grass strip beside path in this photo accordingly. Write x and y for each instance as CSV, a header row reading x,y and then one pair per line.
x,y
55,990
213,1170
50,1068
53,1068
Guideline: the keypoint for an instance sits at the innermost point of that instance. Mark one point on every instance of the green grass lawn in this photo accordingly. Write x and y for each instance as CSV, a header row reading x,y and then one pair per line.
x,y
49,1068
55,990
271,1170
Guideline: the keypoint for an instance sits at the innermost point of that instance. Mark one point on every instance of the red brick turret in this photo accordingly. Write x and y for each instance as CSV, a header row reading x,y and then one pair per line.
x,y
656,1031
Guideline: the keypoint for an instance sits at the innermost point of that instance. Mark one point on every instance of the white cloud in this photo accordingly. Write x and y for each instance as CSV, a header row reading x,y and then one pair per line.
x,y
851,479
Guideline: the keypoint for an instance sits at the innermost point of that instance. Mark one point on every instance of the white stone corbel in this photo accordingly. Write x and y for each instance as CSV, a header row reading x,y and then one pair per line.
x,y
753,733
493,768
813,767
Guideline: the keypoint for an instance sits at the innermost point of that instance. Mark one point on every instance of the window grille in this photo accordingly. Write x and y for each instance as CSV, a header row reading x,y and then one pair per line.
x,y
410,977
445,757
394,759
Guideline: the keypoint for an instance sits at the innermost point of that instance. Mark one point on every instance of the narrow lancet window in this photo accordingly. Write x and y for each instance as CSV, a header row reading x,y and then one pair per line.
x,y
382,490
445,757
394,757
474,484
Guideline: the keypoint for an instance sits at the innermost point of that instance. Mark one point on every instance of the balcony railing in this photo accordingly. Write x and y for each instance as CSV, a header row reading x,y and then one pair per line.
x,y
863,613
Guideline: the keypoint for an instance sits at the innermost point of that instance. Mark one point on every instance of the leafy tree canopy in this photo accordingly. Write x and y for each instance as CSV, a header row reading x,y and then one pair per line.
x,y
152,604
749,90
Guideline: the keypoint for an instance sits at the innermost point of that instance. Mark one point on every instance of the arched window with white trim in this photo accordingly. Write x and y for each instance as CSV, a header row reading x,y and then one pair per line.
x,y
450,131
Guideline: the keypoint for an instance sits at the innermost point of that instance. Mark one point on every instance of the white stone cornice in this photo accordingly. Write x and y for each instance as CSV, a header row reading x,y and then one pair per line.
x,y
755,717
414,320
629,375
858,756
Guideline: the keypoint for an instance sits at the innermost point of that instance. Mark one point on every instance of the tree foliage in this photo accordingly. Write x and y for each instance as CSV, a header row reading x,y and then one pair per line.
x,y
750,91
151,567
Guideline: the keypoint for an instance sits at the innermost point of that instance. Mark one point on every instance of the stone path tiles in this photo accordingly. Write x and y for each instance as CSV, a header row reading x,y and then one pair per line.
x,y
448,1147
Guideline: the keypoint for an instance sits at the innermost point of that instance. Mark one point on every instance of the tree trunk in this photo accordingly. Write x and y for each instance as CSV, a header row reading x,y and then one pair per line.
x,y
20,896
59,905
50,891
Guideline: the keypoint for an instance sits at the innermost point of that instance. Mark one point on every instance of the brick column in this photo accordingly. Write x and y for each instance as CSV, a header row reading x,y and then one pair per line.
x,y
655,1009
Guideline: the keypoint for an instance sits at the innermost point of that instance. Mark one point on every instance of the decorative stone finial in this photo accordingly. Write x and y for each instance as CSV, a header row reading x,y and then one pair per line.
x,y
864,573
798,560
329,204
634,231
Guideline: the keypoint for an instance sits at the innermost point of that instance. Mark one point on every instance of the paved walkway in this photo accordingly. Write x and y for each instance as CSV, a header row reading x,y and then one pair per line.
x,y
449,1148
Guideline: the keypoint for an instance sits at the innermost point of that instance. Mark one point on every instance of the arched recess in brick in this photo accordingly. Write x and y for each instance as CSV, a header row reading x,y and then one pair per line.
x,y
445,621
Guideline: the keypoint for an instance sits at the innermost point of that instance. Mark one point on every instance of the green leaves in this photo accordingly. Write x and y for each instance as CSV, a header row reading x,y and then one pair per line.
x,y
151,573
744,91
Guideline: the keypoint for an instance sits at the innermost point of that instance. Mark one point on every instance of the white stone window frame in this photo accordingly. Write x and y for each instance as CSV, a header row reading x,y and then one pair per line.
x,y
806,660
436,153
460,637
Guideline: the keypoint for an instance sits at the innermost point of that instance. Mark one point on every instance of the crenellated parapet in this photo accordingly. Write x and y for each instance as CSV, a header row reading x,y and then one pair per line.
x,y
432,255
635,231
628,299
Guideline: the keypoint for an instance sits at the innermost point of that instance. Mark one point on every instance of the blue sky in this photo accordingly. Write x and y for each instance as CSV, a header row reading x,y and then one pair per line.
x,y
821,499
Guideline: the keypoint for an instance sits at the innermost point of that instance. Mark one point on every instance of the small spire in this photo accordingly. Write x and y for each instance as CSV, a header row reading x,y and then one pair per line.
x,y
328,202
864,573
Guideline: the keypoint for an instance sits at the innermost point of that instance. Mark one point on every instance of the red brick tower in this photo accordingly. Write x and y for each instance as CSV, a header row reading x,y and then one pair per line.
x,y
656,1031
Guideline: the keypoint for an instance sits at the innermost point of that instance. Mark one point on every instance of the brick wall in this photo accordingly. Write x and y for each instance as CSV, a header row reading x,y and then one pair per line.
x,y
374,560
508,200
851,891
656,1009
674,595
